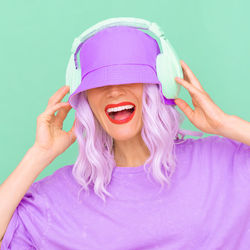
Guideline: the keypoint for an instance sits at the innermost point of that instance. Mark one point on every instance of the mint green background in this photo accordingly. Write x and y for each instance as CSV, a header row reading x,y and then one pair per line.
x,y
212,37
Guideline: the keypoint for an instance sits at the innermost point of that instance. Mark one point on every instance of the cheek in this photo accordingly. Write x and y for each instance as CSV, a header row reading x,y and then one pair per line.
x,y
91,97
96,110
92,105
140,96
140,92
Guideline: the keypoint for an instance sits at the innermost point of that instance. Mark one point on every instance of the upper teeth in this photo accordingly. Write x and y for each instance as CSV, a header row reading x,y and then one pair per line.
x,y
119,108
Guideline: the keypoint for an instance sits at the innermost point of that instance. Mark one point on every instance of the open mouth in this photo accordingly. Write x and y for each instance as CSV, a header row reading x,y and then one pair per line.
x,y
120,115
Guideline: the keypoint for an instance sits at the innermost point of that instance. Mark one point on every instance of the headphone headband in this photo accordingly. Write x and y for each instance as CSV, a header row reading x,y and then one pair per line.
x,y
166,59
119,21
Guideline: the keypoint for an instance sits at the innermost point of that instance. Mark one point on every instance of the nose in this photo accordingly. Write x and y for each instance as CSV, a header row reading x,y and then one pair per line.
x,y
114,91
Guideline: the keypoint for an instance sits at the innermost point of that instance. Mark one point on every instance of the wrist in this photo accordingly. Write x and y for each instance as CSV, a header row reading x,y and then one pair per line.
x,y
226,125
237,129
41,155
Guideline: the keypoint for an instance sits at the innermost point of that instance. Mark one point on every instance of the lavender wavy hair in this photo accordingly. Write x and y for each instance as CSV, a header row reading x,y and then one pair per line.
x,y
95,161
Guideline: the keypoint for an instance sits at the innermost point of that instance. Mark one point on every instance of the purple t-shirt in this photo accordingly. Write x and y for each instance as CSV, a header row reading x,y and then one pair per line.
x,y
207,206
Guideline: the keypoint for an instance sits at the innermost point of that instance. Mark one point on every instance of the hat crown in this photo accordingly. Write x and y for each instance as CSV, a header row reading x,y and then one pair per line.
x,y
118,45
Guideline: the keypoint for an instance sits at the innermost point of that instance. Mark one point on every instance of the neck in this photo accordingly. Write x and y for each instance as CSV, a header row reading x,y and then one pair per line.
x,y
131,153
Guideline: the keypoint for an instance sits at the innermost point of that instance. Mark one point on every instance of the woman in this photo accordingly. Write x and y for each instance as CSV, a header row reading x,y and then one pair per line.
x,y
125,159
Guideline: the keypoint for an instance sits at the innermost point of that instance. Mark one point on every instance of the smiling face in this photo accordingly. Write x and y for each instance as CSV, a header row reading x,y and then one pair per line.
x,y
99,98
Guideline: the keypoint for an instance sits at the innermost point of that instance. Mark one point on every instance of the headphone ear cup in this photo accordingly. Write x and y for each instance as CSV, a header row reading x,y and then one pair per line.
x,y
168,67
73,75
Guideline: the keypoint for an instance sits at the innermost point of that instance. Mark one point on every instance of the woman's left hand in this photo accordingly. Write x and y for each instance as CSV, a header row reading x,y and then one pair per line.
x,y
206,116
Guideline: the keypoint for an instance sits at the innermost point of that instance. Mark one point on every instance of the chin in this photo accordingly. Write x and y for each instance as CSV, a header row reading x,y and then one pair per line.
x,y
123,134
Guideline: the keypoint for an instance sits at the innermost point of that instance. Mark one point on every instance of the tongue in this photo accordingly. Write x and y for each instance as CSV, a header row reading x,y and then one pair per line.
x,y
121,115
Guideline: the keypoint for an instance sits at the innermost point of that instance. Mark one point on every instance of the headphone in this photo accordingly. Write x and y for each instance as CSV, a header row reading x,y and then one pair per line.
x,y
167,62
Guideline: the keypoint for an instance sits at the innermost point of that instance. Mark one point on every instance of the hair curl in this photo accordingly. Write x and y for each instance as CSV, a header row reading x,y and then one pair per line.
x,y
95,160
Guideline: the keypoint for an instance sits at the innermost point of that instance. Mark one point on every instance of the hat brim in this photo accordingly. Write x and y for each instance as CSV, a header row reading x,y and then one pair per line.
x,y
115,75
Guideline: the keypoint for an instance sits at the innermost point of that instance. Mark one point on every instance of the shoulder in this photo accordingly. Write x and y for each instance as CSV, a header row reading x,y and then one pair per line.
x,y
31,219
213,143
214,151
210,149
56,182
57,176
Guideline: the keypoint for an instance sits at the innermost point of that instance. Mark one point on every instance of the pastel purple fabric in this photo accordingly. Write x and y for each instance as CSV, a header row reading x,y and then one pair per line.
x,y
207,207
117,55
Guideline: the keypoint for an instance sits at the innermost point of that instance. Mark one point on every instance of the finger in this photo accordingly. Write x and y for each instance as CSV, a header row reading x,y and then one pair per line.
x,y
190,76
72,133
185,108
62,113
192,90
58,95
50,111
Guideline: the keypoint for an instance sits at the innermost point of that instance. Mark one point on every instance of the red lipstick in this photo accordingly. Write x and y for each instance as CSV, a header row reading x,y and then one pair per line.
x,y
117,105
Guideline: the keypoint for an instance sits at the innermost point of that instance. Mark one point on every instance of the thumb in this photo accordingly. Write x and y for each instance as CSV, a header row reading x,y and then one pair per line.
x,y
185,108
72,133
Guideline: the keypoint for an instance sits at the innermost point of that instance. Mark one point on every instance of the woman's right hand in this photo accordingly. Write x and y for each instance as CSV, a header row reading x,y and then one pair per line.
x,y
49,134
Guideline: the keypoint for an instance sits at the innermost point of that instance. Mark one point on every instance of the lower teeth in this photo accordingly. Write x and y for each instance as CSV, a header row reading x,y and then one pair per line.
x,y
112,114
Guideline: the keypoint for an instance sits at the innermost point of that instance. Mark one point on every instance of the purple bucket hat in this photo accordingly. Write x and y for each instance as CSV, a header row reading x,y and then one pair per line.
x,y
116,55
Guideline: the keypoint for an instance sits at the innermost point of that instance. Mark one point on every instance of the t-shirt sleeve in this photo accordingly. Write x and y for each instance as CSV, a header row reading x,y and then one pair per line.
x,y
237,155
241,158
28,223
